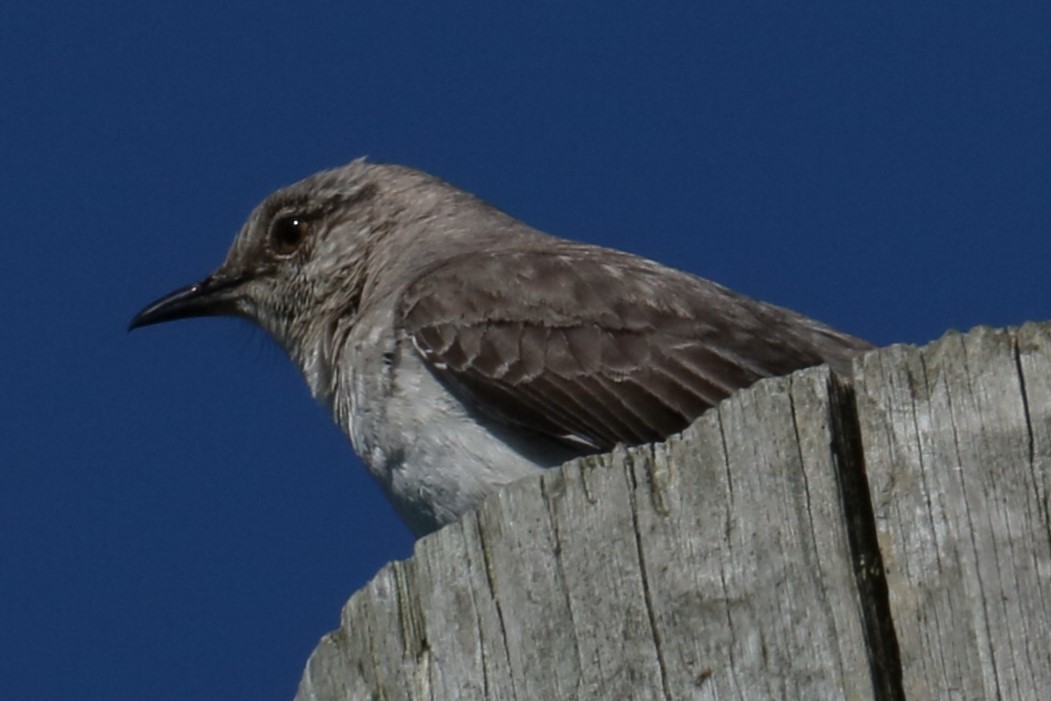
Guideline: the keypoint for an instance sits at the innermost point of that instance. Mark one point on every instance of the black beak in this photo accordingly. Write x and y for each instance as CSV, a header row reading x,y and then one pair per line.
x,y
213,296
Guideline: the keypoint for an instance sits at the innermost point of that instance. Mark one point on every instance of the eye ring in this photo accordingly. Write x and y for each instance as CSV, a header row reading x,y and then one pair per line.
x,y
287,233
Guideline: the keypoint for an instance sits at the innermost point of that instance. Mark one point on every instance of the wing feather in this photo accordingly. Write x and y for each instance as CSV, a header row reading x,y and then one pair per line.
x,y
596,347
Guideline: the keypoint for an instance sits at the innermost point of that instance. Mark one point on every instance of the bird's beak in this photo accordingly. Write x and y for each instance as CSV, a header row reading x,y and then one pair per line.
x,y
214,296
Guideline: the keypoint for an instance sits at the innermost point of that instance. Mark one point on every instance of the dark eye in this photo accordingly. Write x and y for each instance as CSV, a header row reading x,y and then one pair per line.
x,y
287,232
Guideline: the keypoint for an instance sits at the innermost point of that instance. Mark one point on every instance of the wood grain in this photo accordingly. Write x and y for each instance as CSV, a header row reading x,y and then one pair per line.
x,y
884,536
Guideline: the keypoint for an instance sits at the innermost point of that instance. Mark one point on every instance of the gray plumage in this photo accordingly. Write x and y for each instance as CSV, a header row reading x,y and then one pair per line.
x,y
460,349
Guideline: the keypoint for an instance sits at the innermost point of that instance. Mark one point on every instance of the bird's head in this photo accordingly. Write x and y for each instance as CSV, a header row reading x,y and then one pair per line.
x,y
314,255
298,263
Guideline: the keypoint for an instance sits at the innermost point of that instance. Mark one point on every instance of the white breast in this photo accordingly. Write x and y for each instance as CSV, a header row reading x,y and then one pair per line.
x,y
434,458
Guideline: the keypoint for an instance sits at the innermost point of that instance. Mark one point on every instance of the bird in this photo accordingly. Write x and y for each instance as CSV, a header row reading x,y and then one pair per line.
x,y
460,349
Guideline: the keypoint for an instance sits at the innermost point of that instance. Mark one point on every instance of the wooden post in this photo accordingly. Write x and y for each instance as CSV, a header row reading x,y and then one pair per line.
x,y
885,536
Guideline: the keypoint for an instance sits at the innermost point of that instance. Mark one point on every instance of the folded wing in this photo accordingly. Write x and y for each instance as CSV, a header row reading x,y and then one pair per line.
x,y
595,347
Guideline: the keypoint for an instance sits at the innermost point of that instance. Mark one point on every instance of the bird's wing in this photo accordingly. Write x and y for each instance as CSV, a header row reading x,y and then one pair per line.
x,y
595,347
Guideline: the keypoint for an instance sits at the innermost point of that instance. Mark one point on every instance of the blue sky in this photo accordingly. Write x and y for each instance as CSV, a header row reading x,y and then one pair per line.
x,y
178,519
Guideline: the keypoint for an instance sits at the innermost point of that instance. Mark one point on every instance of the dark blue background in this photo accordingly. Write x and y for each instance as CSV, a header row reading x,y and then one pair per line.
x,y
178,519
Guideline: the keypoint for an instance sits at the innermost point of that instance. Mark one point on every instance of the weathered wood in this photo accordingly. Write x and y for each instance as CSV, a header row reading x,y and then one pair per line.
x,y
956,438
745,558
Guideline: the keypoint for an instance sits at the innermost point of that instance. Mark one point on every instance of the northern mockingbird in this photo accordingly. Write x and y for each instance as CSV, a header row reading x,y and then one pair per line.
x,y
460,349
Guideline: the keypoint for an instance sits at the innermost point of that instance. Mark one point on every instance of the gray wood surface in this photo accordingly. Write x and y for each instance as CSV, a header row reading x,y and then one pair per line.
x,y
745,558
956,438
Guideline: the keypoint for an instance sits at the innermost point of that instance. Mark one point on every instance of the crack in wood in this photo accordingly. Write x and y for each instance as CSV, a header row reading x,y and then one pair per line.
x,y
629,468
881,640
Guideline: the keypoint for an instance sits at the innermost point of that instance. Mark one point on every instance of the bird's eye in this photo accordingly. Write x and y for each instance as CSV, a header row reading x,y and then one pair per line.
x,y
287,233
